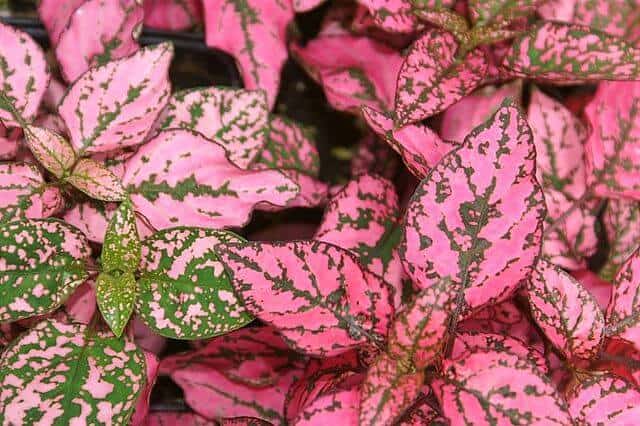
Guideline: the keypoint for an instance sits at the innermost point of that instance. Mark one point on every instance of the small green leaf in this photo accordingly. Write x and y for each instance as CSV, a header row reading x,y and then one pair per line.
x,y
121,249
116,296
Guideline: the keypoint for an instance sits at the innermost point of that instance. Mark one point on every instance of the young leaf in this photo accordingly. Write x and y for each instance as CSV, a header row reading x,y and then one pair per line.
x,y
61,373
23,76
259,38
97,32
96,180
182,177
433,77
116,295
477,217
184,290
50,149
172,15
623,313
571,53
604,399
317,295
235,118
485,12
121,249
41,263
566,312
332,408
620,221
114,105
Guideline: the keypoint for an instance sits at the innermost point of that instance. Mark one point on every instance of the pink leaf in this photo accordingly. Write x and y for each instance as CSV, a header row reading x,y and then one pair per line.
x,y
182,177
91,217
604,399
24,77
394,15
566,312
613,169
172,15
620,221
164,418
374,156
623,313
81,305
422,413
244,421
9,142
596,286
317,295
432,78
24,194
139,416
55,16
419,146
52,150
340,407
255,35
96,181
114,105
235,118
477,217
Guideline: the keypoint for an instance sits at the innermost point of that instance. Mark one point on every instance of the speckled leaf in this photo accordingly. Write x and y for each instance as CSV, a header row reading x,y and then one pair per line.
x,y
61,373
477,217
180,177
255,34
559,138
235,118
422,413
571,53
23,74
114,105
316,294
172,15
121,248
332,408
613,168
24,194
623,313
51,149
184,290
116,294
96,180
98,31
620,220
485,12
419,147
489,388
566,312
604,399
41,263
433,78
397,15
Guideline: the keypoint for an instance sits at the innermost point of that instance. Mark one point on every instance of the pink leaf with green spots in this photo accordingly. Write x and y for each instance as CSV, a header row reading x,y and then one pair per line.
x,y
182,177
421,413
612,147
98,31
571,53
244,421
620,221
23,75
477,217
486,12
397,15
419,147
433,78
566,312
55,16
559,138
91,217
332,408
316,294
596,286
604,399
490,387
96,180
51,149
111,107
235,118
623,313
172,15
41,263
59,373
255,34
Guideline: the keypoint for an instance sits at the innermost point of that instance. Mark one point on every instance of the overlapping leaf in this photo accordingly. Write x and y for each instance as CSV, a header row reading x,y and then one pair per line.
x,y
422,412
96,180
620,219
485,12
604,399
338,407
172,15
55,16
165,418
594,284
91,217
623,313
60,373
394,15
142,407
51,149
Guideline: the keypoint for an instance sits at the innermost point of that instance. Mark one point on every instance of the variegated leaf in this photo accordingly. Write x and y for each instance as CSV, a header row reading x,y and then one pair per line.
x,y
141,412
477,217
114,105
184,290
235,118
623,313
433,77
50,149
60,373
397,15
316,294
96,180
91,217
181,177
41,263
116,295
55,16
620,221
604,399
172,15
485,12
595,285
332,408
422,412
121,249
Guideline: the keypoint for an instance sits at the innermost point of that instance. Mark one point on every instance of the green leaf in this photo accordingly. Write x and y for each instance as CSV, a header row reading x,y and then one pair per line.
x,y
116,296
41,263
61,374
185,292
121,249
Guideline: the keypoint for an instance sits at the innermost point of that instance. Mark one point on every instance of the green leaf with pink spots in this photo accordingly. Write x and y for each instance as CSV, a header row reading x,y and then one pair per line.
x,y
116,295
486,12
41,263
62,374
185,292
96,180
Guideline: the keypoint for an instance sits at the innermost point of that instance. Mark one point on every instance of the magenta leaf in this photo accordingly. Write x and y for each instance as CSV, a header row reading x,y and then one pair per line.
x,y
486,12
477,217
24,194
620,219
421,413
559,138
96,180
316,294
419,147
172,15
60,373
97,32
258,40
340,406
433,77
566,312
41,263
51,149
604,399
182,177
114,105
235,118
244,421
571,53
599,288
395,15
24,77
623,313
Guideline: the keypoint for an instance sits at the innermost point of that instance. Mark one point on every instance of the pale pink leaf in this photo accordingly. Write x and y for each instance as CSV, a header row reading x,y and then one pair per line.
x,y
96,180
55,16
24,194
51,149
172,15
623,313
604,399
620,220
